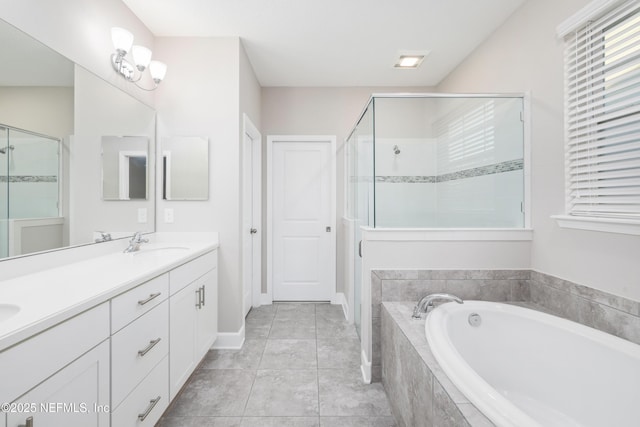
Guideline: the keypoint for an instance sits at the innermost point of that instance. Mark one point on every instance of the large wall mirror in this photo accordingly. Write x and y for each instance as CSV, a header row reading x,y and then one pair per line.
x,y
124,167
54,111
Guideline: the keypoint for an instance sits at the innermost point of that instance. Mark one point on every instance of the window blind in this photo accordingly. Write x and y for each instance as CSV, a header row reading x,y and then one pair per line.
x,y
602,101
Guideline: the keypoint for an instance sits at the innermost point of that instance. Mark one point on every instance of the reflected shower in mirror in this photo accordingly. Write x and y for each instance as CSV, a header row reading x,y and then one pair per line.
x,y
124,167
185,168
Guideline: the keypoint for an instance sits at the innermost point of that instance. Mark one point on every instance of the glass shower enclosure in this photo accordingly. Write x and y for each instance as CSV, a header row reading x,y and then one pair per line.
x,y
435,161
29,186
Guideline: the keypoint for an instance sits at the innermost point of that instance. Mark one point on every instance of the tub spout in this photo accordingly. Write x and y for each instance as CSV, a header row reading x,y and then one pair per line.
x,y
425,305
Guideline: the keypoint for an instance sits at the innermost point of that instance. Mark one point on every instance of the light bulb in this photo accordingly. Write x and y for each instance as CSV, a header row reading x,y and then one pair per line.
x,y
122,40
158,70
141,56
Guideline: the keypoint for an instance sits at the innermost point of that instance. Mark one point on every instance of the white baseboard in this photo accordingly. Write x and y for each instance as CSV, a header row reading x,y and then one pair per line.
x,y
340,299
265,299
229,340
365,368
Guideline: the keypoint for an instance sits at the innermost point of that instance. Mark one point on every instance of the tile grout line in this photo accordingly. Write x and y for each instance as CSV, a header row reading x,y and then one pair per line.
x,y
255,377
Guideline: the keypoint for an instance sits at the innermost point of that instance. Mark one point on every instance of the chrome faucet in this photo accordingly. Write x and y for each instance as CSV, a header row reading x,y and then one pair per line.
x,y
104,237
425,305
135,242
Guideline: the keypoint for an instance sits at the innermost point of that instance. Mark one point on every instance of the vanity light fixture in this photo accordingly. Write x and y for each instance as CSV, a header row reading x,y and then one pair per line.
x,y
123,44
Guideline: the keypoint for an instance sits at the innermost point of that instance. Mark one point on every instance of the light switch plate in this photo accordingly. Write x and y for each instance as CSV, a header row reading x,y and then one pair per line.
x,y
168,215
142,215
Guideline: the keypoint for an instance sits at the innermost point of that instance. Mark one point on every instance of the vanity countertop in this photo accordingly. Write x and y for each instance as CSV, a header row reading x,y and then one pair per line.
x,y
51,296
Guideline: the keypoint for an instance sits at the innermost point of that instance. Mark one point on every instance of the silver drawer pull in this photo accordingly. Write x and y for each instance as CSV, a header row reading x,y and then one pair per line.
x,y
152,296
152,404
199,294
149,347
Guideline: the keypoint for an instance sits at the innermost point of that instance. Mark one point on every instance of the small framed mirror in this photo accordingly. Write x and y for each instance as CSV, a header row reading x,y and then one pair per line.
x,y
125,167
185,168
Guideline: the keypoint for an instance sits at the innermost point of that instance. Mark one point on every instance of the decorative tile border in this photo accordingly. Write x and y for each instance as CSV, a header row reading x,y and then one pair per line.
x,y
396,179
29,178
506,166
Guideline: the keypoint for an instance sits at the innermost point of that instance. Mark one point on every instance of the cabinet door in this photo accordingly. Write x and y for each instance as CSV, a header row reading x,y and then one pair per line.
x,y
182,337
207,326
76,396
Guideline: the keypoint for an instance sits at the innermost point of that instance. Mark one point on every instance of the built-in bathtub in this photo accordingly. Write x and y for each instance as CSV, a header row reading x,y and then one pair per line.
x,y
518,367
525,368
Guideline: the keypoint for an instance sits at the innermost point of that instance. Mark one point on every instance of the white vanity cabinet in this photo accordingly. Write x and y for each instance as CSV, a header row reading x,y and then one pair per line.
x,y
77,395
139,353
193,308
60,377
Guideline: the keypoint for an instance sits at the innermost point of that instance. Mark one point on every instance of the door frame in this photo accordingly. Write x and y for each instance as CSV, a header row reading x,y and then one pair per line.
x,y
302,139
251,131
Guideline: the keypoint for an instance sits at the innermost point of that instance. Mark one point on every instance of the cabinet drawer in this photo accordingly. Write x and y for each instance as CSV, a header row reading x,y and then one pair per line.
x,y
140,401
28,363
132,304
137,349
187,273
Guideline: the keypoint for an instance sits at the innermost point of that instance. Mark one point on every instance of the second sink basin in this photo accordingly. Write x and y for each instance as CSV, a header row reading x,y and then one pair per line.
x,y
7,311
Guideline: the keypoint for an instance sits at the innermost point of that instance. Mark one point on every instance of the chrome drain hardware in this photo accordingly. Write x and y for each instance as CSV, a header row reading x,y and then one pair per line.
x,y
475,319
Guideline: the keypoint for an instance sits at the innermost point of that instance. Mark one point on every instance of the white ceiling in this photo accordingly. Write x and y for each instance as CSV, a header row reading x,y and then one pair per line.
x,y
336,42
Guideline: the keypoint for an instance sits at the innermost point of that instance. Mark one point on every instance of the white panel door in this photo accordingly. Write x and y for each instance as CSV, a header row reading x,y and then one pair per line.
x,y
303,268
251,217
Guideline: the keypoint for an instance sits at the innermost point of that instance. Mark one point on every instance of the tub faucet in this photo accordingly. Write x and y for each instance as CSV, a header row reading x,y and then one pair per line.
x,y
135,242
425,305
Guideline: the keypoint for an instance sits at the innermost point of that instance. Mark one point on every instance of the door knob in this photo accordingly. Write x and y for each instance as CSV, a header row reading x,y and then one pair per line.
x,y
253,231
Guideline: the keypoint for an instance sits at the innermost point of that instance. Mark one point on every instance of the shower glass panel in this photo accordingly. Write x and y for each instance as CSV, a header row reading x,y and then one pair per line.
x,y
434,161
29,180
449,162
360,199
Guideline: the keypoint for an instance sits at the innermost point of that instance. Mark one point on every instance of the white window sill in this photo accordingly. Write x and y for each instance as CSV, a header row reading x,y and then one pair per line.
x,y
607,225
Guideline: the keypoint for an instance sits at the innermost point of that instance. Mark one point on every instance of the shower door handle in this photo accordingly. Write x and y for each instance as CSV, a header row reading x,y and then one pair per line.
x,y
360,248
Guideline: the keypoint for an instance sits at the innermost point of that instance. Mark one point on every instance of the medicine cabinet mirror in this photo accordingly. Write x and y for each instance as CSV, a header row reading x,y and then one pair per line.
x,y
185,168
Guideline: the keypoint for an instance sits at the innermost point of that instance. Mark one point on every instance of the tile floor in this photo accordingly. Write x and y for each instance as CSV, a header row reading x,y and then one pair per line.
x,y
299,367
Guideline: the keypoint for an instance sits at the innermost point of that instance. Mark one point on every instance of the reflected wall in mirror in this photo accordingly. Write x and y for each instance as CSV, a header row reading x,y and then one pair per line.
x,y
36,112
185,168
124,167
43,92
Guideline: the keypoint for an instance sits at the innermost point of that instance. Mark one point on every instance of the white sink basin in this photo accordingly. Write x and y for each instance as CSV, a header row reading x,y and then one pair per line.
x,y
164,251
7,311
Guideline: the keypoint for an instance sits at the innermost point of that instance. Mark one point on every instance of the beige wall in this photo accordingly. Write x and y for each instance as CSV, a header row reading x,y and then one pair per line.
x,y
46,110
318,111
525,55
211,85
